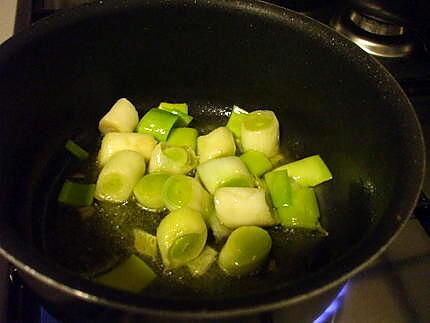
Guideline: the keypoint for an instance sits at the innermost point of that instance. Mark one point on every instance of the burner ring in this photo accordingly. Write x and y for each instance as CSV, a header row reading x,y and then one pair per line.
x,y
374,26
375,43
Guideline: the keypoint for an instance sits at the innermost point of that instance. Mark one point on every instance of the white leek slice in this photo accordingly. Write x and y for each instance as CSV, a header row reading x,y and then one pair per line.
x,y
239,206
203,262
260,132
219,231
116,141
184,191
119,176
172,159
122,117
224,171
217,143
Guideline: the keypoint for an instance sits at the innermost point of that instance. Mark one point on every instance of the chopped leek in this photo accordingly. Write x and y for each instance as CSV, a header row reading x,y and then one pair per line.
x,y
184,191
239,206
260,132
261,184
279,187
203,262
122,117
76,194
224,171
219,231
217,143
172,159
183,137
149,191
181,237
309,171
76,150
158,123
145,243
245,251
115,141
119,176
183,119
303,212
133,275
235,121
257,162
207,205
203,183
179,109
171,107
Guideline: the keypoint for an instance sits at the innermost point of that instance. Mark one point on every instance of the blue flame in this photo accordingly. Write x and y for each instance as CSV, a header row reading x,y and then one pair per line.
x,y
334,306
45,317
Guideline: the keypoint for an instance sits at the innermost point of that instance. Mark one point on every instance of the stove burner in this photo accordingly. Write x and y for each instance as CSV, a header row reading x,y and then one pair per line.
x,y
375,37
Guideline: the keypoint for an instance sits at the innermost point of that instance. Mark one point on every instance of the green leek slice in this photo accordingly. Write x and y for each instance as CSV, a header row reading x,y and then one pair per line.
x,y
145,243
181,237
309,171
76,194
235,121
279,187
245,251
257,162
133,275
76,150
149,191
158,123
183,137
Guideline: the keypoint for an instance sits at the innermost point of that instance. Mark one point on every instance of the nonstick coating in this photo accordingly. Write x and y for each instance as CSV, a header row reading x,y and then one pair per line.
x,y
58,78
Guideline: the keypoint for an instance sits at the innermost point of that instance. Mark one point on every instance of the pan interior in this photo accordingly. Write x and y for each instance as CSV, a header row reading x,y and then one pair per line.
x,y
329,97
91,243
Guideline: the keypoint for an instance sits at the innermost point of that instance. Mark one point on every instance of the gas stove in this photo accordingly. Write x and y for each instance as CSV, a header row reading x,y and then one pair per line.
x,y
395,288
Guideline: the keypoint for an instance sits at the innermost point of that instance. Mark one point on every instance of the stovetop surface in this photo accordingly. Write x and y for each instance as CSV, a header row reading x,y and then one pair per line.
x,y
395,288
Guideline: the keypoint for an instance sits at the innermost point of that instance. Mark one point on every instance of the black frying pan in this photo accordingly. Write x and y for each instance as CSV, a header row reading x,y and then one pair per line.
x,y
57,79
